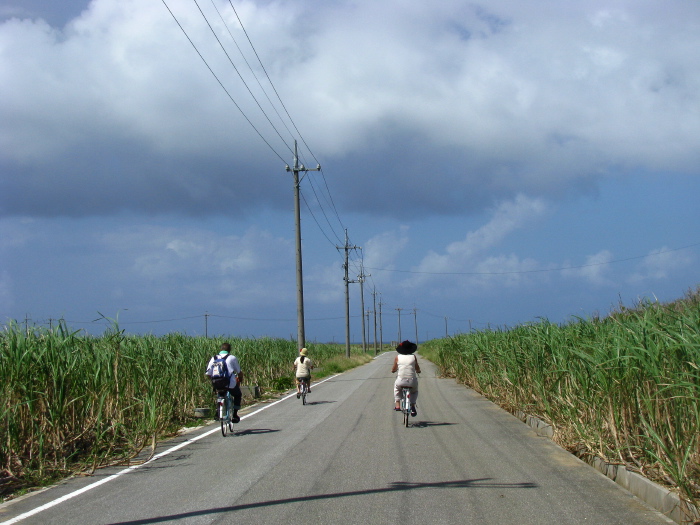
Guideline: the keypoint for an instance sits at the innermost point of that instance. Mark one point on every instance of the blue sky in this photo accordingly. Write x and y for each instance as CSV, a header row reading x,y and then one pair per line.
x,y
497,162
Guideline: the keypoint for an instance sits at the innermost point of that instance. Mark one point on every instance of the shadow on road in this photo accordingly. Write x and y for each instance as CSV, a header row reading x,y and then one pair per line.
x,y
319,402
252,431
426,424
393,487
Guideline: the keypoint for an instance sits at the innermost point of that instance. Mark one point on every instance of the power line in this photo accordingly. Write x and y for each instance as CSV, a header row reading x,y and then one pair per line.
x,y
515,272
220,83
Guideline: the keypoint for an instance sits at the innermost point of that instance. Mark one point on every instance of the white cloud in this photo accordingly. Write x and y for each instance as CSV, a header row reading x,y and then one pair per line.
x,y
595,270
502,99
660,264
462,256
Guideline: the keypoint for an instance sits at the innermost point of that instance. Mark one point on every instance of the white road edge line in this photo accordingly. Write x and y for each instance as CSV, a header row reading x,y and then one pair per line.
x,y
78,492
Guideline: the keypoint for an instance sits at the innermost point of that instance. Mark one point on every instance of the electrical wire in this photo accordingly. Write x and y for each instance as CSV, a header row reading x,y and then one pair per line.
x,y
220,83
544,270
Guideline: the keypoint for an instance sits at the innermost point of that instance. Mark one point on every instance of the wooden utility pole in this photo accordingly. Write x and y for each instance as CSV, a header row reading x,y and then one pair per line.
x,y
361,280
347,249
399,310
415,322
381,328
374,299
296,169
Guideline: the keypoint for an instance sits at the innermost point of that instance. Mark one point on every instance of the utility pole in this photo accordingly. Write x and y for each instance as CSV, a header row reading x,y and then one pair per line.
x,y
381,328
415,322
296,169
347,249
374,299
399,310
361,280
446,335
367,314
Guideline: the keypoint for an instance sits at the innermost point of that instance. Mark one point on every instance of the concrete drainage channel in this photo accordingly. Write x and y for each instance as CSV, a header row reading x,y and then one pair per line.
x,y
653,494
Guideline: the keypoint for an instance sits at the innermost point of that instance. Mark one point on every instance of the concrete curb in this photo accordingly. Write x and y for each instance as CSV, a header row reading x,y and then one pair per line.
x,y
653,494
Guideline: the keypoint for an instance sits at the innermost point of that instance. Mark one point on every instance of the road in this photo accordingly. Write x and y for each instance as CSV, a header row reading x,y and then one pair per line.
x,y
346,458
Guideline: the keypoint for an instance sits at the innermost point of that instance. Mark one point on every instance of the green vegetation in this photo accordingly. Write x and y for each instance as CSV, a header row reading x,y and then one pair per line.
x,y
72,402
625,388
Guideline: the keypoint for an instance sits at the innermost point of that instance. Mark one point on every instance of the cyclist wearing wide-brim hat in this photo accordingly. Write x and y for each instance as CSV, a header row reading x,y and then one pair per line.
x,y
406,364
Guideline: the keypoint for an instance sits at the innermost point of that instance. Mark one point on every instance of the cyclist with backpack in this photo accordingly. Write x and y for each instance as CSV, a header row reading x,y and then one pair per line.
x,y
302,369
226,375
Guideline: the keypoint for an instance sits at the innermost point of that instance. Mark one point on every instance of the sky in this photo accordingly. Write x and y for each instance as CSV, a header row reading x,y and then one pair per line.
x,y
493,163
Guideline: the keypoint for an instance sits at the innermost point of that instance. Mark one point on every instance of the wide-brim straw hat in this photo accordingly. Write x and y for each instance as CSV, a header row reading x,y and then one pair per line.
x,y
406,347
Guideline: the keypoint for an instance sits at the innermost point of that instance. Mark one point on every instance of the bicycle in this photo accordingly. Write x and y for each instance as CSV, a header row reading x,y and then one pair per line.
x,y
224,412
303,389
406,404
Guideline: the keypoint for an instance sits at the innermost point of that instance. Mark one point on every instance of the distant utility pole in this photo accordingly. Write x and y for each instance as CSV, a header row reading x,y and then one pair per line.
x,y
374,299
361,280
296,169
381,328
367,314
347,249
399,310
415,322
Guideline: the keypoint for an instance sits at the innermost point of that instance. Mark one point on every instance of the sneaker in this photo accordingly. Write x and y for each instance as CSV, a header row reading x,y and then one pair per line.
x,y
397,409
235,419
414,412
298,395
308,391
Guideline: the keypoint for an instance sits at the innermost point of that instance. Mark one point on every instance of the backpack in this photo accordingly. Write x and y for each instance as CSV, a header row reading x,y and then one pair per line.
x,y
220,375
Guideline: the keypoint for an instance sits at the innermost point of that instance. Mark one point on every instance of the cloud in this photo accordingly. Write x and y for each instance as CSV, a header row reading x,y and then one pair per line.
x,y
660,265
461,256
595,270
116,111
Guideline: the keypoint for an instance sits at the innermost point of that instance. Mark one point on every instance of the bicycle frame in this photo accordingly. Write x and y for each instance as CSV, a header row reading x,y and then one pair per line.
x,y
304,389
406,404
223,406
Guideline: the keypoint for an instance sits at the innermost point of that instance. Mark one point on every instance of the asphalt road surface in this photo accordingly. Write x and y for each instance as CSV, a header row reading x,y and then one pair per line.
x,y
346,458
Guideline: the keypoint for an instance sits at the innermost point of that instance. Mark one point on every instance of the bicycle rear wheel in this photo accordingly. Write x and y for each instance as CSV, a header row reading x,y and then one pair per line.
x,y
225,416
405,406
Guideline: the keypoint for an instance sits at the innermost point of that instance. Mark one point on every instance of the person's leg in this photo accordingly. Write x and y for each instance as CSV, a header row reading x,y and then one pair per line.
x,y
298,387
237,395
397,395
414,398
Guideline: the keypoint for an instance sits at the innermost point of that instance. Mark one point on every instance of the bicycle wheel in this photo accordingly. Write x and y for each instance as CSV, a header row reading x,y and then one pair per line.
x,y
304,388
225,416
406,407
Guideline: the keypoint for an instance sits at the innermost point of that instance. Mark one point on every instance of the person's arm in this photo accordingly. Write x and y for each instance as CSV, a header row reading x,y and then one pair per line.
x,y
396,364
235,368
417,366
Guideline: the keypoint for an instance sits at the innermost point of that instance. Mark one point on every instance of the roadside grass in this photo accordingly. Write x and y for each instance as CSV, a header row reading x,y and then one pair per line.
x,y
73,403
625,388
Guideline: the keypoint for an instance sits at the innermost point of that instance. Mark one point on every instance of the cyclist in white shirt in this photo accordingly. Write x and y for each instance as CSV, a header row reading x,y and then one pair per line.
x,y
236,378
302,369
406,364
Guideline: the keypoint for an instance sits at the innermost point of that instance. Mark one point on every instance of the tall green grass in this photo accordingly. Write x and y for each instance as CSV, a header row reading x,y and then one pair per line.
x,y
71,401
625,388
